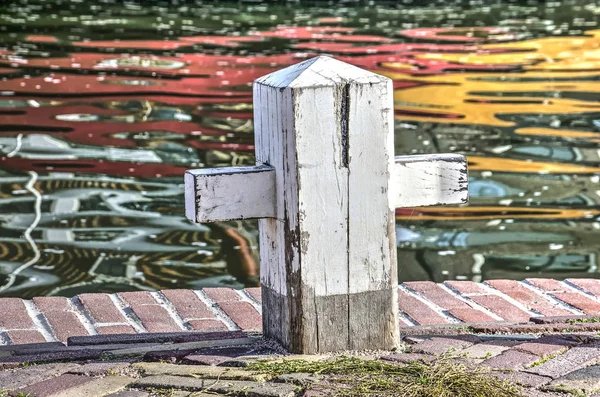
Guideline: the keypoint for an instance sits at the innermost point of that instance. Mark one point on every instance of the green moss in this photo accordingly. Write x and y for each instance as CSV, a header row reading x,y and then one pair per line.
x,y
544,359
584,320
443,377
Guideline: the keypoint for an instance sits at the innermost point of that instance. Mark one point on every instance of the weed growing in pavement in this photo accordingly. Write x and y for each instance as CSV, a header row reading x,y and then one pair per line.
x,y
442,377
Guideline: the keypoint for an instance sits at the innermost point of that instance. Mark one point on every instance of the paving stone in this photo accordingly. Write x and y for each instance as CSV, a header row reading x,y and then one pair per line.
x,y
153,316
115,329
580,382
255,293
575,358
418,310
21,377
523,378
407,358
263,389
188,305
243,314
202,359
18,337
14,315
530,299
101,308
204,371
216,356
130,393
60,316
158,337
100,368
441,345
187,347
511,359
546,346
487,350
54,386
98,387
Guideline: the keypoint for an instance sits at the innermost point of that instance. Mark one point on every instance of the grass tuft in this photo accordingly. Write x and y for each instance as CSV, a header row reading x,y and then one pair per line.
x,y
443,377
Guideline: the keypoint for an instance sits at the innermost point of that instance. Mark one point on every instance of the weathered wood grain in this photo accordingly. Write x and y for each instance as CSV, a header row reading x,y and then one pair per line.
x,y
221,194
432,179
326,127
325,188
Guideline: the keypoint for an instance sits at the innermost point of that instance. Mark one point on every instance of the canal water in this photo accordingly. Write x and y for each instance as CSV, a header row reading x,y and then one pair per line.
x,y
105,104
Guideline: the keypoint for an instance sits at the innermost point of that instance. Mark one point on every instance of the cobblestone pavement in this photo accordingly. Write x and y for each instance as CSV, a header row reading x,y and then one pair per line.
x,y
51,319
562,358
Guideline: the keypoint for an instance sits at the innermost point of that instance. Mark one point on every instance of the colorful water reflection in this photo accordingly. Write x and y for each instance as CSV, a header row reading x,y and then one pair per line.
x,y
103,106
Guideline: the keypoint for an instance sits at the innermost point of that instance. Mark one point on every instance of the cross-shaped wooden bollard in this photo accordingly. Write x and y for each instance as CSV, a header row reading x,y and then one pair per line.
x,y
325,189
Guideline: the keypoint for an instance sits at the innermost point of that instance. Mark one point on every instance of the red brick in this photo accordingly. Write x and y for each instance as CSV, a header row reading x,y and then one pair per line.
x,y
101,308
547,284
56,385
588,284
188,305
219,295
466,287
469,315
243,314
501,307
115,329
60,316
207,325
14,315
418,310
434,293
579,301
155,319
152,315
19,337
138,298
255,293
527,297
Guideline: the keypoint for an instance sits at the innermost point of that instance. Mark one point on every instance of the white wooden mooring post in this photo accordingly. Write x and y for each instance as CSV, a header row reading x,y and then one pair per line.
x,y
325,189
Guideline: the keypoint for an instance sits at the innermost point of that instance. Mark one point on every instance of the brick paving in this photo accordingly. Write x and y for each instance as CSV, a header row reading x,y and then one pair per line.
x,y
542,334
422,303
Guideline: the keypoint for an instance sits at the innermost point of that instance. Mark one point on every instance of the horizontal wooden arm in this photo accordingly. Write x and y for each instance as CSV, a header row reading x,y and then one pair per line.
x,y
222,194
432,179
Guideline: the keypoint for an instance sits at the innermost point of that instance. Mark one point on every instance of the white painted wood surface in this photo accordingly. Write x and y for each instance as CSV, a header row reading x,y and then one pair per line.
x,y
221,194
328,268
325,188
432,179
